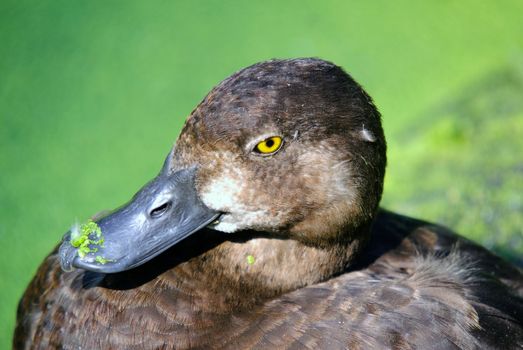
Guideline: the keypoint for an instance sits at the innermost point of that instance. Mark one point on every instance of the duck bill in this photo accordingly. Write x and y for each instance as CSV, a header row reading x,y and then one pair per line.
x,y
161,214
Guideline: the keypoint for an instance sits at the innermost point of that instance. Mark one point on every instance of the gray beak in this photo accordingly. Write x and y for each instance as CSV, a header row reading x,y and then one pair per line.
x,y
161,214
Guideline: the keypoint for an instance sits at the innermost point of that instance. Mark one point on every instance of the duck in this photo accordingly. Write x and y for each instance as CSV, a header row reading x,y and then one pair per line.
x,y
263,230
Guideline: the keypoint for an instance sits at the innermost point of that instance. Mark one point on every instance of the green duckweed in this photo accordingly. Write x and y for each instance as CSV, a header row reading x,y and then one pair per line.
x,y
100,259
250,259
86,238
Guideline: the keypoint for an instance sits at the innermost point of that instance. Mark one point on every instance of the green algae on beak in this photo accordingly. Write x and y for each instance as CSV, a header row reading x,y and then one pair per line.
x,y
100,259
86,238
164,212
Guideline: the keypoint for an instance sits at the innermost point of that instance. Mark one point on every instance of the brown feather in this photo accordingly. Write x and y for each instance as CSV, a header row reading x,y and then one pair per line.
x,y
331,272
428,289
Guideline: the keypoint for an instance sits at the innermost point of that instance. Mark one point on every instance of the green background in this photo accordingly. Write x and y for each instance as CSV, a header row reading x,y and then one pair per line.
x,y
93,94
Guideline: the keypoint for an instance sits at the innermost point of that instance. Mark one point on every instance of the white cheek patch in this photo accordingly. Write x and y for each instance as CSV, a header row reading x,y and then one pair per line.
x,y
240,220
225,227
222,193
225,194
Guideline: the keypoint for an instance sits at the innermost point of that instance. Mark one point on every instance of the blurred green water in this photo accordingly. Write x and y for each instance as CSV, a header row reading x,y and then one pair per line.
x,y
465,167
93,93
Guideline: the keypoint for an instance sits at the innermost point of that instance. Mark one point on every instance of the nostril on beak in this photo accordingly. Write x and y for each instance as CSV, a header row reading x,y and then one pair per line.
x,y
160,210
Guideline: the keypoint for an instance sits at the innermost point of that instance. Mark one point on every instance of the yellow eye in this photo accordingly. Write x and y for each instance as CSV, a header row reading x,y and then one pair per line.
x,y
269,145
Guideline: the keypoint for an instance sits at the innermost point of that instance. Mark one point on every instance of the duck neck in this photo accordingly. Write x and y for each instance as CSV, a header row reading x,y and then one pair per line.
x,y
237,275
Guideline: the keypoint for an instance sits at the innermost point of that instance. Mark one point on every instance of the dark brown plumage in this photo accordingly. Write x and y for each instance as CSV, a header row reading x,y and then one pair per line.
x,y
329,270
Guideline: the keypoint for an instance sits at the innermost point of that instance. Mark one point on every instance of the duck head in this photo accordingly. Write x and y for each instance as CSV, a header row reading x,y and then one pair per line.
x,y
292,150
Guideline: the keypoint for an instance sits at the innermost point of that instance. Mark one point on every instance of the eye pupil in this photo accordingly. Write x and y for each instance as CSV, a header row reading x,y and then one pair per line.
x,y
269,143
